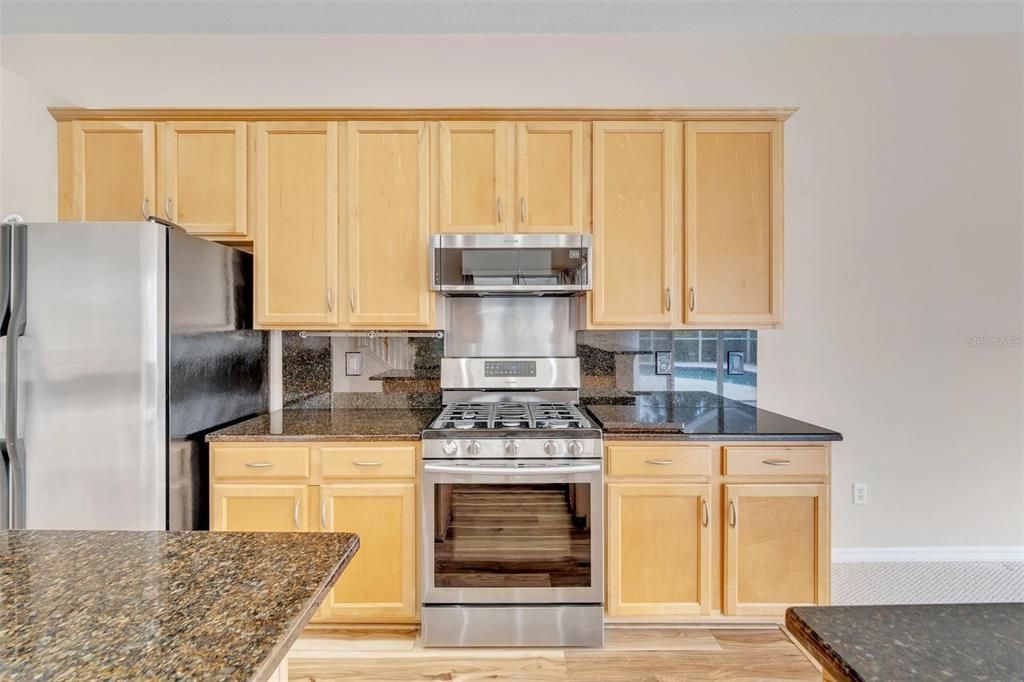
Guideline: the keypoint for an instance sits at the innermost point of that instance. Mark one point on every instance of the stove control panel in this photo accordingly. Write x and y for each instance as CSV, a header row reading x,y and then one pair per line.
x,y
510,368
511,448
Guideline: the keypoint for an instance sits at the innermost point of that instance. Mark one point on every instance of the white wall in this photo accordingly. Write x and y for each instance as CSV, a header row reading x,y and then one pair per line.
x,y
903,214
28,150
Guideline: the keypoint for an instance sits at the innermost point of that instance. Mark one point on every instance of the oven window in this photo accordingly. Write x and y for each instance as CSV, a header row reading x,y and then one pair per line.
x,y
504,535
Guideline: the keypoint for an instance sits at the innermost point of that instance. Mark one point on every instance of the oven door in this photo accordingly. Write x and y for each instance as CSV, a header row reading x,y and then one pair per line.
x,y
512,532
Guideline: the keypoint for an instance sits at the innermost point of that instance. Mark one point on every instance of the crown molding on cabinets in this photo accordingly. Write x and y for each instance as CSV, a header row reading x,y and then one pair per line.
x,y
464,114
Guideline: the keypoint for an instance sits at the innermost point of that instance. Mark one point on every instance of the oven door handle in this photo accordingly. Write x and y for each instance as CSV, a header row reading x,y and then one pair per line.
x,y
511,471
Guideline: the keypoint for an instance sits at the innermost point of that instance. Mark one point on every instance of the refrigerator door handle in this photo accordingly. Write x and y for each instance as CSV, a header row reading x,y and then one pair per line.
x,y
15,329
5,318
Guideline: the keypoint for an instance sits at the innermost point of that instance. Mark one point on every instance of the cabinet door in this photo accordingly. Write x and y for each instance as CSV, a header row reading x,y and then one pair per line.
x,y
776,548
258,507
113,171
550,177
637,187
203,177
296,241
380,583
388,224
734,223
475,176
659,549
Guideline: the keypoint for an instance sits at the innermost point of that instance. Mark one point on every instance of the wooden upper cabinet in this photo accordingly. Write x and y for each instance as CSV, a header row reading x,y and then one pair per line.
x,y
550,177
296,240
388,223
109,172
475,176
202,178
637,185
734,223
776,547
659,549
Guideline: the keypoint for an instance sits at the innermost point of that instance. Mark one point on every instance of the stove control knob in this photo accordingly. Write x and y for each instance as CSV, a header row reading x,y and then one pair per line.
x,y
575,448
450,447
550,448
511,448
473,448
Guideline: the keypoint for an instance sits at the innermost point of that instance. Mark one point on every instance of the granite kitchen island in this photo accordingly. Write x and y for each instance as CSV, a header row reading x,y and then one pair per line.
x,y
965,642
159,605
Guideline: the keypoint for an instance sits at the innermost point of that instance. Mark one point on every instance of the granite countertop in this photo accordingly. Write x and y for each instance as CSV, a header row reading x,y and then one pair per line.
x,y
90,605
336,424
698,415
914,642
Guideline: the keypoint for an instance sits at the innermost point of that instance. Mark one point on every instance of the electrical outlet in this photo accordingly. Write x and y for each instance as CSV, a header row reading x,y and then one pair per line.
x,y
860,493
663,362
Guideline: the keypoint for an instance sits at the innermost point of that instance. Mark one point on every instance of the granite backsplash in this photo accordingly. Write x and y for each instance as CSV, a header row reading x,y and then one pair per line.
x,y
405,372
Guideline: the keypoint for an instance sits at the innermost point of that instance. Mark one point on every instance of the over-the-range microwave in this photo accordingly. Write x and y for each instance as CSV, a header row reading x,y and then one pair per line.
x,y
510,264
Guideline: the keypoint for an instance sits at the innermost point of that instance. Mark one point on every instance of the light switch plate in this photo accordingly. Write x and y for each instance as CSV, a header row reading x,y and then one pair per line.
x,y
663,362
353,363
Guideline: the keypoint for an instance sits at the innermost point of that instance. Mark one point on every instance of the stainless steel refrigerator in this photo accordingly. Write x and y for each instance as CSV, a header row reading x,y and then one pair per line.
x,y
122,345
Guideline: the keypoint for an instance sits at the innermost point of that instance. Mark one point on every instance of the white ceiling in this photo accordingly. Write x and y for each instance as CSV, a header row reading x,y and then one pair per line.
x,y
511,16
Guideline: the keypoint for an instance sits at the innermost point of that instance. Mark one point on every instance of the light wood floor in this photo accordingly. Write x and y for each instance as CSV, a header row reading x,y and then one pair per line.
x,y
631,654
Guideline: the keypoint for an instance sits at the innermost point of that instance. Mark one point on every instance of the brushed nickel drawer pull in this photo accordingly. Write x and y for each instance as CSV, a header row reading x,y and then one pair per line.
x,y
522,209
330,299
167,209
323,514
352,299
776,462
368,464
296,517
734,516
145,208
707,512
660,462
693,298
259,465
499,211
668,297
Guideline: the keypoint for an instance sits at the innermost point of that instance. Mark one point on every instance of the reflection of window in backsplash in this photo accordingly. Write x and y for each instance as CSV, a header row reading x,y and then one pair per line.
x,y
722,362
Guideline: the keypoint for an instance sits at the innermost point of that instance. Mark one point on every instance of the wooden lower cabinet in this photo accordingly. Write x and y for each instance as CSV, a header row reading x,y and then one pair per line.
x,y
366,488
259,507
776,547
659,549
701,530
380,582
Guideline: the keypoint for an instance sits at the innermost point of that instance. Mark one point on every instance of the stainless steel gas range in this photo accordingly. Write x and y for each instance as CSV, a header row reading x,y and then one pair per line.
x,y
512,501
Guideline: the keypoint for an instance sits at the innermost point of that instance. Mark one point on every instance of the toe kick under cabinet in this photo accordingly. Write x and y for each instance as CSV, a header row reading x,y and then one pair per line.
x,y
698,530
367,488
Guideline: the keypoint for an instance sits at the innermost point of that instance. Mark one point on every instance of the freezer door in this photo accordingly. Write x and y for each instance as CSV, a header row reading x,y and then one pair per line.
x,y
92,376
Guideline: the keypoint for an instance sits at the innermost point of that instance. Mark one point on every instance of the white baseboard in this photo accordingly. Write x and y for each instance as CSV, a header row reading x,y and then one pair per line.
x,y
846,555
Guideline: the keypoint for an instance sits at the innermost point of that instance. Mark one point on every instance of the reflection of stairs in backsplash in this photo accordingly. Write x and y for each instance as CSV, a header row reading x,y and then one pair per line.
x,y
408,365
396,353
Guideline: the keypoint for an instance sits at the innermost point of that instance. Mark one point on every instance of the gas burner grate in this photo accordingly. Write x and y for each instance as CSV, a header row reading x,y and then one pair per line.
x,y
511,415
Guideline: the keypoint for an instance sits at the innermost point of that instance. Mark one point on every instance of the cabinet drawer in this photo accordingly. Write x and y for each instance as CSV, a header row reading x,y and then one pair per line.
x,y
377,461
658,460
261,462
775,461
